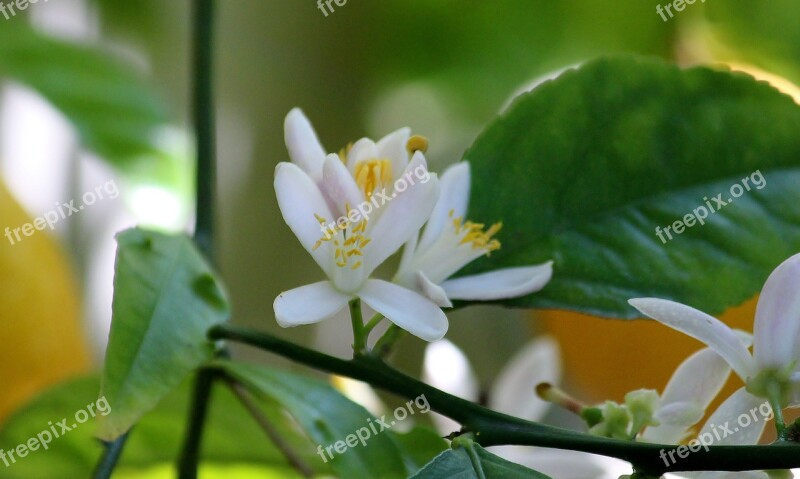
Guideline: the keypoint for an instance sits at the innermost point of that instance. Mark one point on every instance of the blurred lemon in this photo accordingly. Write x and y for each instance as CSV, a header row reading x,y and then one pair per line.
x,y
41,341
606,358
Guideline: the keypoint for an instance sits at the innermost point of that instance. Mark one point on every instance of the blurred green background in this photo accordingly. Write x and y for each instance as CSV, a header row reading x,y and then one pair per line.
x,y
442,67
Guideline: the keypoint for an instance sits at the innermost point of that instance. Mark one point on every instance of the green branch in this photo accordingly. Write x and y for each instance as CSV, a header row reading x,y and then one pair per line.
x,y
203,117
491,428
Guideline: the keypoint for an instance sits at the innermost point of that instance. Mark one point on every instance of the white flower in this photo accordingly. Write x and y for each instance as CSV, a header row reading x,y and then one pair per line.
x,y
739,404
448,243
447,368
776,330
316,188
690,390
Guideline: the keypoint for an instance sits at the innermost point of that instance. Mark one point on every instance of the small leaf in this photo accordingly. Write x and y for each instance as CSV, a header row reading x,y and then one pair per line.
x,y
165,299
420,446
583,169
457,464
329,418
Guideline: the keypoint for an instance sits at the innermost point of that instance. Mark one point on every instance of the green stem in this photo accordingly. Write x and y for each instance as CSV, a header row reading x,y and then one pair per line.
x,y
359,333
190,455
204,126
113,450
774,393
491,428
374,321
203,117
385,343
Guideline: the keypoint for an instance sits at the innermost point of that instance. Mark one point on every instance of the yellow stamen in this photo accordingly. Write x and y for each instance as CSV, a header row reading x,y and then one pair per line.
x,y
344,152
373,174
417,143
473,233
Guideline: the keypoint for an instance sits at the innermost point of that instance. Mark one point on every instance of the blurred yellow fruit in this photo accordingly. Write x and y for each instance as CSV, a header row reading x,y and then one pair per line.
x,y
606,358
41,341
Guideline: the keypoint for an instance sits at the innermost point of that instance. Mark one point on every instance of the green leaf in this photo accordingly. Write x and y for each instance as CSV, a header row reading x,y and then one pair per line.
x,y
231,440
457,464
115,113
584,169
419,446
165,299
328,418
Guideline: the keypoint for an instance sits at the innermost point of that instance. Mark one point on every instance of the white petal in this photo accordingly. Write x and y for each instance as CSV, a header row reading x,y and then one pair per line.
x,y
363,149
695,383
447,368
729,414
702,327
393,147
308,304
454,196
513,390
432,291
401,218
405,308
777,322
500,284
299,199
304,147
339,186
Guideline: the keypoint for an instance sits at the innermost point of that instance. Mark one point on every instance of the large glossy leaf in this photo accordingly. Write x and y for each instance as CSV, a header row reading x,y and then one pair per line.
x,y
165,299
116,114
328,418
231,439
457,464
585,168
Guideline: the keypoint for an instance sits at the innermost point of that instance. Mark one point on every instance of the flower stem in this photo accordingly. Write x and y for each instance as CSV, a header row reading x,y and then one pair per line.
x,y
359,332
374,321
774,397
385,343
491,428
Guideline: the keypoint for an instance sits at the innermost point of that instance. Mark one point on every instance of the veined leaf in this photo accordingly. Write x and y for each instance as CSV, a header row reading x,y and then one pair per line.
x,y
584,169
165,299
457,464
330,419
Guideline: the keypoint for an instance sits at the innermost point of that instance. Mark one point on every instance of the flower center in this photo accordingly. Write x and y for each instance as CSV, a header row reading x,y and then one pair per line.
x,y
474,233
348,245
373,174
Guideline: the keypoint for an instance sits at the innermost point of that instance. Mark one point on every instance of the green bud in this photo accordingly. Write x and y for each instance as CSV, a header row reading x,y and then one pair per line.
x,y
615,423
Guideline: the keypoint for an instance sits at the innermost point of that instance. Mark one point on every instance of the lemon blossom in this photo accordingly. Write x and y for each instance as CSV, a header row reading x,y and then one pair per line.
x,y
448,243
739,403
447,368
690,390
313,189
776,332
